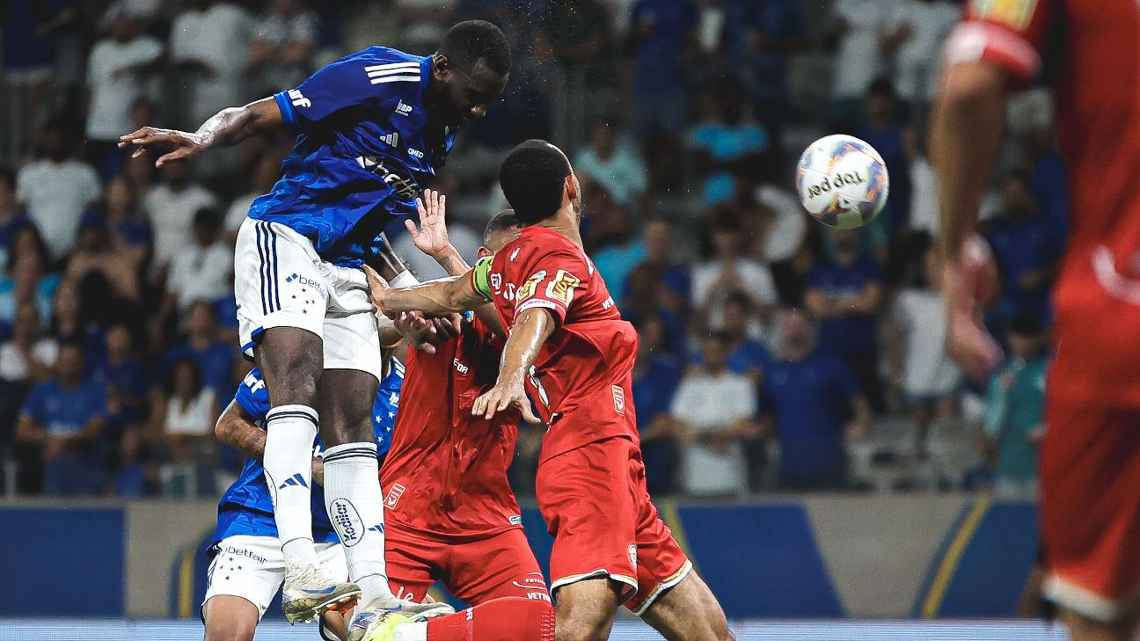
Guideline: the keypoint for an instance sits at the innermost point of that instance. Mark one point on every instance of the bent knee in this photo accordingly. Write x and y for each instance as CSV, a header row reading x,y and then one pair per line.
x,y
235,632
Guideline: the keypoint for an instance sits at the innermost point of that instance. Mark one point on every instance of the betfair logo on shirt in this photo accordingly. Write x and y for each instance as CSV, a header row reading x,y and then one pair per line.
x,y
298,99
1014,13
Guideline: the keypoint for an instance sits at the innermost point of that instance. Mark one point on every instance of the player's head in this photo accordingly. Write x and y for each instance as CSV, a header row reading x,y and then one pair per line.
x,y
500,230
714,350
797,334
538,182
470,70
207,226
69,363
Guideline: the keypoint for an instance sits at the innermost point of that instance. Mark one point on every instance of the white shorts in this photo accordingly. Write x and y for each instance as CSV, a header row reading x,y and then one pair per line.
x,y
280,281
253,568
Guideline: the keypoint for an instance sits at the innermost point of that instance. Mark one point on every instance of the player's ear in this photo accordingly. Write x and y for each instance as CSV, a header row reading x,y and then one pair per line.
x,y
483,252
440,66
572,189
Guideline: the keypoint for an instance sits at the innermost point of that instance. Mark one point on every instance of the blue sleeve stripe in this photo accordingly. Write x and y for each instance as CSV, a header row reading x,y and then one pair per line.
x,y
286,107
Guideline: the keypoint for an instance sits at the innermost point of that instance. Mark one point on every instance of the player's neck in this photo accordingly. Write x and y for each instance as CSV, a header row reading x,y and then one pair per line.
x,y
564,222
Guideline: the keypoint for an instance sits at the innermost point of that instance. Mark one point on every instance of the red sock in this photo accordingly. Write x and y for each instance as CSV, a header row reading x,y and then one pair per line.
x,y
505,619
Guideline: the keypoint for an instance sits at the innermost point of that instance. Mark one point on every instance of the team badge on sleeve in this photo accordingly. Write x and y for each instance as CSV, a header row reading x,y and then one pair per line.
x,y
562,287
619,398
530,286
1013,13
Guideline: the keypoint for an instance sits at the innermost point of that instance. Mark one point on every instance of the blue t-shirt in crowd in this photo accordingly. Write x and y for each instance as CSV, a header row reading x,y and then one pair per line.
x,y
654,387
8,231
130,381
63,410
1021,246
615,263
810,400
246,507
658,59
749,356
365,147
854,334
215,363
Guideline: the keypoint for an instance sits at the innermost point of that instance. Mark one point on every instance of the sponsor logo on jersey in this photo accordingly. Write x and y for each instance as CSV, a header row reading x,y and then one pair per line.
x,y
530,286
460,367
515,254
515,519
405,188
298,99
415,153
632,551
303,280
1014,13
392,138
394,495
403,109
347,522
562,287
249,554
496,281
619,398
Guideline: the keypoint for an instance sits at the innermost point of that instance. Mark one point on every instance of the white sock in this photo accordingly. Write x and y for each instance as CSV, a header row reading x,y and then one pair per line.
x,y
352,497
411,632
288,460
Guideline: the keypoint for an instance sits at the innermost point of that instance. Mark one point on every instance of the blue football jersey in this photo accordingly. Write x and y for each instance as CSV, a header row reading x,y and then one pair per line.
x,y
246,507
365,146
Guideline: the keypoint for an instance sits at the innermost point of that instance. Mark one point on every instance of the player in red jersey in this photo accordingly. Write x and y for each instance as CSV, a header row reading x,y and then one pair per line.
x,y
1090,458
449,509
571,350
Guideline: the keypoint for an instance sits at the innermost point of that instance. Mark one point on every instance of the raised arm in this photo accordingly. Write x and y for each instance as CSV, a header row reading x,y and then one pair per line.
x,y
227,127
236,428
530,330
435,298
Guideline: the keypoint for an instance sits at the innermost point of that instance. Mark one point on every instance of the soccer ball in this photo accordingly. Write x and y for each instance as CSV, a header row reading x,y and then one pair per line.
x,y
842,181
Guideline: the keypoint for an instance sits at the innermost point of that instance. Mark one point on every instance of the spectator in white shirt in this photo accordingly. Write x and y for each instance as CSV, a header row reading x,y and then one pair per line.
x,y
57,189
715,411
203,269
265,172
867,41
924,25
188,413
614,164
171,206
281,54
115,75
210,40
728,270
28,356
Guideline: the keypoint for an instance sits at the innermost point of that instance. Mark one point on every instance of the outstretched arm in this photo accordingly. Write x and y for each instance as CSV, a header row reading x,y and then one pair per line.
x,y
227,127
435,298
530,330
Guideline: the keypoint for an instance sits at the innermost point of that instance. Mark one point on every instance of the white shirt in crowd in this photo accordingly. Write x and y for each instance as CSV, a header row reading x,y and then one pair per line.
x,y
238,210
924,196
755,280
858,59
219,38
172,215
56,195
13,365
278,31
423,266
709,403
196,418
917,60
623,174
201,273
787,230
927,369
112,90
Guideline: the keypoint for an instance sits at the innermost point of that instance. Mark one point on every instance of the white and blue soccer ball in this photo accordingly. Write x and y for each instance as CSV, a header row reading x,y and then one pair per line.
x,y
842,181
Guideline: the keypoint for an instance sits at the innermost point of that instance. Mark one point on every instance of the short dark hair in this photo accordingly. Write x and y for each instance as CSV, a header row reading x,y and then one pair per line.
x,y
208,216
499,222
738,297
468,42
532,179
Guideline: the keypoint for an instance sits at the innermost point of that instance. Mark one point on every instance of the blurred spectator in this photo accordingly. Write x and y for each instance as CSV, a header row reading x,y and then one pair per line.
x,y
1027,246
759,37
715,411
209,41
130,231
171,206
265,173
726,140
661,31
661,258
745,354
579,34
284,40
727,271
97,263
68,323
923,215
26,279
213,356
613,164
655,379
623,249
65,417
56,188
782,224
814,406
124,375
846,294
12,216
887,137
929,377
645,298
190,412
115,73
921,26
867,40
204,268
1015,410
29,355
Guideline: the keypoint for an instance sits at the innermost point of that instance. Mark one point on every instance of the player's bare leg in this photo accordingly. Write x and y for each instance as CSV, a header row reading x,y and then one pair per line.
x,y
229,618
687,612
585,610
291,360
352,492
1083,628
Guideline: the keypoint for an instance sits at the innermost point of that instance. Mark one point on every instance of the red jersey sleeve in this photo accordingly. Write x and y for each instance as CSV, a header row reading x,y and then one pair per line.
x,y
1008,33
550,280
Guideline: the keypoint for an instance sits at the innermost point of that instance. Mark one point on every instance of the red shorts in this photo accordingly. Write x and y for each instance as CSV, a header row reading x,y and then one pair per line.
x,y
1090,507
598,510
475,570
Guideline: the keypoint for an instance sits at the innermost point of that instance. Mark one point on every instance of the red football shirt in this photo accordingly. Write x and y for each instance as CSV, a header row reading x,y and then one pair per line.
x,y
581,380
446,472
1095,45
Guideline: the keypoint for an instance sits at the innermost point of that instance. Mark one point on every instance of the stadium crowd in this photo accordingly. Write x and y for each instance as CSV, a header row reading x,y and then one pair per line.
x,y
775,354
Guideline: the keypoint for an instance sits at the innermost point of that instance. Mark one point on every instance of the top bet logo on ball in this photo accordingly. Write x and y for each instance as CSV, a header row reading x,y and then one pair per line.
x,y
842,181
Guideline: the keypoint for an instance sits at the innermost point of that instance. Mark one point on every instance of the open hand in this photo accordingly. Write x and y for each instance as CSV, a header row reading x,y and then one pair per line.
x,y
184,144
502,396
431,235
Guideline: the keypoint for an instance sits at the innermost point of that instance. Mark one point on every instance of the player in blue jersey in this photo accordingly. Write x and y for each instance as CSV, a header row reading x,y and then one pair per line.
x,y
371,128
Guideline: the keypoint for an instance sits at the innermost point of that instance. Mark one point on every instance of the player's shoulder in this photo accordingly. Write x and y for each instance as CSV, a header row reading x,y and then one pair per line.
x,y
378,55
536,243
